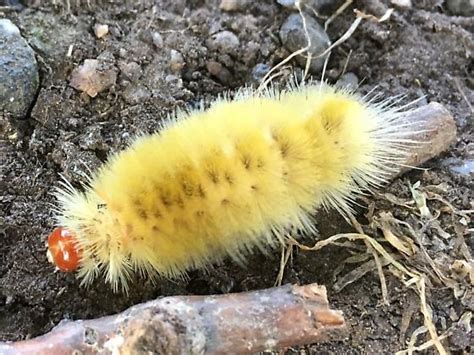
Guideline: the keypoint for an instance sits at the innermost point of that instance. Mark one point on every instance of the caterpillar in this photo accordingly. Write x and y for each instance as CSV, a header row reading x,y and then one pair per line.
x,y
221,182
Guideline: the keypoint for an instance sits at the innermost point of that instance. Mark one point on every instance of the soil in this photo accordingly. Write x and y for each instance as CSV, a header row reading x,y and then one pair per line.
x,y
166,56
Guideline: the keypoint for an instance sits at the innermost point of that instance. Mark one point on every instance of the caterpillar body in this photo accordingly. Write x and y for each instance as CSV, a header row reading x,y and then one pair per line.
x,y
219,182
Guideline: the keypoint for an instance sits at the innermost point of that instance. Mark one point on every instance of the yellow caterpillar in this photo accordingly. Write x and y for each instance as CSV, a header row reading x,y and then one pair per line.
x,y
220,182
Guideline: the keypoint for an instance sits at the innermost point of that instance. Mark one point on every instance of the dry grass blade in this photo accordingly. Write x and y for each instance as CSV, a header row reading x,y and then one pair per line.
x,y
415,278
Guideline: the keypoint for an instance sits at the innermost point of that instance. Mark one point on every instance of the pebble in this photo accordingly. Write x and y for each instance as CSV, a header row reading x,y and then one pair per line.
x,y
403,4
135,94
177,62
287,3
157,39
92,139
259,71
131,70
348,81
460,167
233,5
461,7
93,77
19,78
219,71
322,7
174,80
100,30
225,42
293,37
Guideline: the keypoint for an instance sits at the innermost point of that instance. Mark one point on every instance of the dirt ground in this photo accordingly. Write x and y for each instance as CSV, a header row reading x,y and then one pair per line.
x,y
165,55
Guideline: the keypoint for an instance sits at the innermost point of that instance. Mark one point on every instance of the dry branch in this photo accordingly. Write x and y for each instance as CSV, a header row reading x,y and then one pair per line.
x,y
438,132
274,318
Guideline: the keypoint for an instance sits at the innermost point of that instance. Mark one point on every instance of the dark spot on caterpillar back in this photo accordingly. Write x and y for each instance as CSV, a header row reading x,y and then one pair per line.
x,y
229,178
157,213
142,214
225,202
200,191
246,161
213,176
282,144
180,202
188,188
284,148
166,200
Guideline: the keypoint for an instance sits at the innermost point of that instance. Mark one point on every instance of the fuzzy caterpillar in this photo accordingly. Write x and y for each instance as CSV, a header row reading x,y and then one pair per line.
x,y
219,182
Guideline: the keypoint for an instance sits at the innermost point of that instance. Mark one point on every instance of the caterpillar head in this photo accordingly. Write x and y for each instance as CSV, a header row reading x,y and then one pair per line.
x,y
63,251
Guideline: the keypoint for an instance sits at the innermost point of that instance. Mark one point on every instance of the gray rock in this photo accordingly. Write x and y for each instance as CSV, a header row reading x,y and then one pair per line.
x,y
130,70
322,7
135,94
225,42
233,5
92,139
219,71
403,4
157,39
260,70
293,37
19,78
177,62
287,3
348,81
93,76
461,7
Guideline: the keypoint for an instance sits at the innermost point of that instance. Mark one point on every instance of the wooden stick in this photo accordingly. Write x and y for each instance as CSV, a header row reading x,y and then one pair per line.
x,y
438,132
274,318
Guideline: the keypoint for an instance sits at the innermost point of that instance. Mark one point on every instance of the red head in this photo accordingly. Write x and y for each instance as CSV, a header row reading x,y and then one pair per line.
x,y
62,250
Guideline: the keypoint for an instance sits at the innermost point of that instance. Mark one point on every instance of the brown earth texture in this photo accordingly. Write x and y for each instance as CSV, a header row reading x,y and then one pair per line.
x,y
157,56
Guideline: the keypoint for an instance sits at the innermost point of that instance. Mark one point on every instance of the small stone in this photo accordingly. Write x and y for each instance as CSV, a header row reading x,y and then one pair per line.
x,y
219,71
174,80
233,5
157,39
135,94
457,166
92,139
9,300
19,78
348,81
287,3
101,30
225,42
177,62
93,77
322,7
15,5
123,53
293,37
131,71
403,4
461,7
260,70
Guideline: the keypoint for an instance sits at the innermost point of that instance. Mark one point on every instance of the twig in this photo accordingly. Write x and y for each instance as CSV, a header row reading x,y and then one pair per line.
x,y
378,263
247,322
435,132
